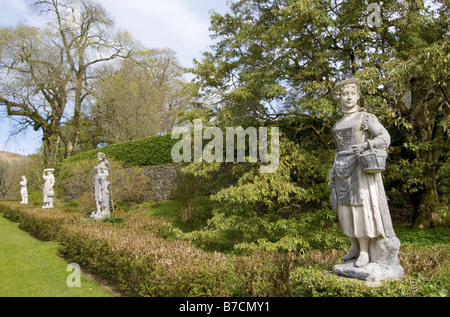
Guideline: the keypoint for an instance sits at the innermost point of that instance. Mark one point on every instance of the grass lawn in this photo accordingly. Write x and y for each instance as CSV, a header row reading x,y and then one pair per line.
x,y
31,268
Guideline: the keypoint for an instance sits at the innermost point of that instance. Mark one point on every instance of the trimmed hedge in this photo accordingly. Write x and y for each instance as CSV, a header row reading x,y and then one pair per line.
x,y
132,254
150,151
43,224
143,264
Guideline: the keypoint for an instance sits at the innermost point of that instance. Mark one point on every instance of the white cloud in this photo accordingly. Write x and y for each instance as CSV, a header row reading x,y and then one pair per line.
x,y
182,25
171,23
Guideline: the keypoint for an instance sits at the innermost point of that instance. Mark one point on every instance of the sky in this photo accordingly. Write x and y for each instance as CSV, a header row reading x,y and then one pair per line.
x,y
182,25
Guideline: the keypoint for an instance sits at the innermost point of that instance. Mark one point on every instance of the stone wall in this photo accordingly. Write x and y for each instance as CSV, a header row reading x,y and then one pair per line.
x,y
162,183
163,179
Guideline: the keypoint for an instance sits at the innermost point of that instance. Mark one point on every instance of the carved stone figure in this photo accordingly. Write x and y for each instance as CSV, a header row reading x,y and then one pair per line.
x,y
24,191
357,191
48,193
101,188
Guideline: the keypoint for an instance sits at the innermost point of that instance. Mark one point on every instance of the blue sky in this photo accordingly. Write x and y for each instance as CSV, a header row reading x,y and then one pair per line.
x,y
182,25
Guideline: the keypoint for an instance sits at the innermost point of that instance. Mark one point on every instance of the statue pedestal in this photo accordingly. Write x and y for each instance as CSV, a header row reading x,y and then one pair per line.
x,y
98,215
383,264
373,272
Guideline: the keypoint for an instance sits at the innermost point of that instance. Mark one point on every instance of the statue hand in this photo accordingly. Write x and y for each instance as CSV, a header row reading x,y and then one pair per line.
x,y
359,148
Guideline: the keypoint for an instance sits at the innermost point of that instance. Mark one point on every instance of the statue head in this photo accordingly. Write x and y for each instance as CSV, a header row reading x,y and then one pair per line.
x,y
348,95
100,156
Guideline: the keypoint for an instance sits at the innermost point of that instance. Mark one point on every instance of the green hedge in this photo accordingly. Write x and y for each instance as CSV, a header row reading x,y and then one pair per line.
x,y
143,152
144,264
43,224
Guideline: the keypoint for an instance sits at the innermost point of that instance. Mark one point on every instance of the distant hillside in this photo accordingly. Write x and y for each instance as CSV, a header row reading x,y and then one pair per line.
x,y
12,157
12,167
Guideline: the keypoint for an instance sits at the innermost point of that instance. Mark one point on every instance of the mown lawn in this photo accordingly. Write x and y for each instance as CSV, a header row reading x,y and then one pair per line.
x,y
32,268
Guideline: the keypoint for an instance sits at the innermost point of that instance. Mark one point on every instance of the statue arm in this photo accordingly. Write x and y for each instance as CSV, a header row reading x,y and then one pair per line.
x,y
381,137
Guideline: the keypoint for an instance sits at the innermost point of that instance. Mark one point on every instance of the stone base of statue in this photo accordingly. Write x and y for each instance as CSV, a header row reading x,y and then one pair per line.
x,y
373,272
383,264
99,215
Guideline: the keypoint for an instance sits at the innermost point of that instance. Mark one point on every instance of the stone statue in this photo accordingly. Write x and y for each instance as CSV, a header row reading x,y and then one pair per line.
x,y
48,193
357,191
101,188
24,191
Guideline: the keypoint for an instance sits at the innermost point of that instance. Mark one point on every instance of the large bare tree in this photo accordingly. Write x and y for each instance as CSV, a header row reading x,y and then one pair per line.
x,y
46,72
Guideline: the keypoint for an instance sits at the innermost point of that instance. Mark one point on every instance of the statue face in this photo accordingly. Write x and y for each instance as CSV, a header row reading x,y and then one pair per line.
x,y
349,97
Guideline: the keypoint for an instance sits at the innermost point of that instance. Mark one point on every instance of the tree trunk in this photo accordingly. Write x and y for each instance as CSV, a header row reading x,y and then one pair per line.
x,y
425,200
51,143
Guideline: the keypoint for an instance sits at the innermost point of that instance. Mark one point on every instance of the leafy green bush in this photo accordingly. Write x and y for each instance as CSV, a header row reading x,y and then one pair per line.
x,y
240,235
155,150
272,212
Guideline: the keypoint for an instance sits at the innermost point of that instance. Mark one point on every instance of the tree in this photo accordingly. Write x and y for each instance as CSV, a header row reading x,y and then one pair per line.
x,y
276,61
35,83
48,70
85,31
137,98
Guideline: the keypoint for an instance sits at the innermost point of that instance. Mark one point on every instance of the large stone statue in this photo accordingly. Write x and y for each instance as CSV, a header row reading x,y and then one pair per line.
x,y
48,193
24,191
357,191
101,188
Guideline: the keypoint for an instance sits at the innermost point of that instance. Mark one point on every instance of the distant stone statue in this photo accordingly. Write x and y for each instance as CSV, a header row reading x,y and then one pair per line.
x,y
48,193
101,188
357,191
24,191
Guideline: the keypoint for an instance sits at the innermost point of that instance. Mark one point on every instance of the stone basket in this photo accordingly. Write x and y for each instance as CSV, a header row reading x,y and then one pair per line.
x,y
373,160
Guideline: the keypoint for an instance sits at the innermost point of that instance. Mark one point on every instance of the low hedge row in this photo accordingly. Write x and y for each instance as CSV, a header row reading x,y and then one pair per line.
x,y
156,150
132,253
44,224
144,264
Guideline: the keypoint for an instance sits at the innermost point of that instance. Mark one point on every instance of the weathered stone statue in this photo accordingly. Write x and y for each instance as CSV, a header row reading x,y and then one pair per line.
x,y
24,191
48,193
101,188
357,191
